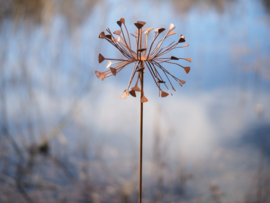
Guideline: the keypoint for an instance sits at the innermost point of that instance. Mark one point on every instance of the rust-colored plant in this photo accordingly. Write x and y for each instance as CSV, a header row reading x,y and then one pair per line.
x,y
142,57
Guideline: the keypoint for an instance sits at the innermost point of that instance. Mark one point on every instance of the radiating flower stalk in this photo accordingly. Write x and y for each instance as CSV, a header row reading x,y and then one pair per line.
x,y
145,56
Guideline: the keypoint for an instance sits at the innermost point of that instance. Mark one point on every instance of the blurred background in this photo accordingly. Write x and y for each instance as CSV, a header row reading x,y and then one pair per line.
x,y
66,136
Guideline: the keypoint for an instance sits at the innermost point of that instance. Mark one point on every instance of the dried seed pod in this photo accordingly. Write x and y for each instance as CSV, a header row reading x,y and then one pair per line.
x,y
102,35
100,58
164,94
144,99
132,93
181,39
187,69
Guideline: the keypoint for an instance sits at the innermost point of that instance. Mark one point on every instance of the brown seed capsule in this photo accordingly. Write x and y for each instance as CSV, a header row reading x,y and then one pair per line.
x,y
132,93
100,58
144,99
113,70
164,94
102,35
187,69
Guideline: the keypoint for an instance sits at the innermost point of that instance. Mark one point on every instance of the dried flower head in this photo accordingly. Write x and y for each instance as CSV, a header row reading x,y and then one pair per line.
x,y
141,57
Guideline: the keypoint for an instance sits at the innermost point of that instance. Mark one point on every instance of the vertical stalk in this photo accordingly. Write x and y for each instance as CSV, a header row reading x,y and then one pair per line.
x,y
141,138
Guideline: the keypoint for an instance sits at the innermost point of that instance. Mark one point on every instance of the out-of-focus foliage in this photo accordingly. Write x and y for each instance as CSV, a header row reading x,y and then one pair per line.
x,y
184,6
266,4
42,11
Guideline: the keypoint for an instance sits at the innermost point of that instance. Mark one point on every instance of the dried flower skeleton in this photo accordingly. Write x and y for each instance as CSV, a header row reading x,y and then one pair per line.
x,y
143,57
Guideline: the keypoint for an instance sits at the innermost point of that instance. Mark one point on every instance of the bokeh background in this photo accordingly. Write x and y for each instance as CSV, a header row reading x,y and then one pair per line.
x,y
66,136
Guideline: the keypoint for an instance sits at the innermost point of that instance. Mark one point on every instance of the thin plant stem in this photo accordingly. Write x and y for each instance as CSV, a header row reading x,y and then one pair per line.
x,y
141,58
141,139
